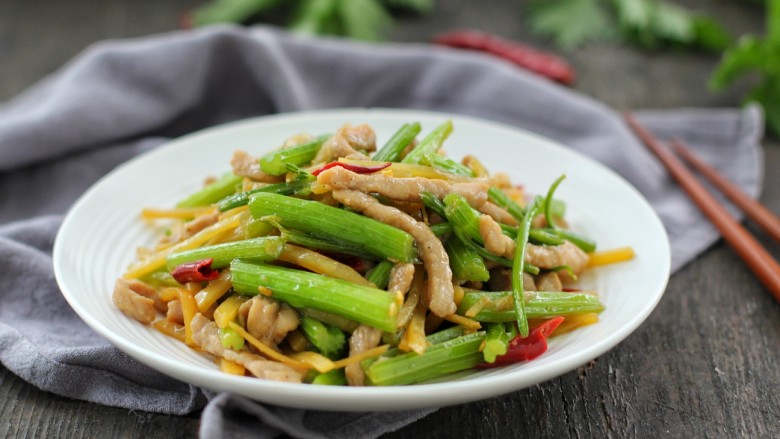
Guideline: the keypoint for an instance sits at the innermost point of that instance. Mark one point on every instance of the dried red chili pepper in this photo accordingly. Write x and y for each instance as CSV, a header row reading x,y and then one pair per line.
x,y
358,169
197,271
529,58
524,349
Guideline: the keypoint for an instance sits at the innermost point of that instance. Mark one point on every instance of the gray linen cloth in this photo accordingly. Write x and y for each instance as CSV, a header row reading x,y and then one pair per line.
x,y
121,98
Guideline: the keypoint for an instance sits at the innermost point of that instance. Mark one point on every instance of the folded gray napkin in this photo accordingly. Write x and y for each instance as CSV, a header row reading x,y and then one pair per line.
x,y
119,99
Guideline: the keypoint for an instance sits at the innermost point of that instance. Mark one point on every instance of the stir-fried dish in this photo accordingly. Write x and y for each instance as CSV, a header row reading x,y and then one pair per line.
x,y
327,261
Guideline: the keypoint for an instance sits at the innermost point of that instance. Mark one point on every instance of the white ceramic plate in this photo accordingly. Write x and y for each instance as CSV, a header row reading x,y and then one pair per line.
x,y
99,236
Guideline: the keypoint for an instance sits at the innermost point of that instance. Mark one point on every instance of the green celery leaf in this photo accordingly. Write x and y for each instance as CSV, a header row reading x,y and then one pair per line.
x,y
571,22
230,11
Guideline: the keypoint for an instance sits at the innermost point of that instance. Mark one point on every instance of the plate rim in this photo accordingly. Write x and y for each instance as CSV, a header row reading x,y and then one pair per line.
x,y
312,396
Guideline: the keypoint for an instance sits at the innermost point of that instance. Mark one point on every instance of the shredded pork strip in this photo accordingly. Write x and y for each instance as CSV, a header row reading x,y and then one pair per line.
x,y
206,335
549,282
349,141
401,277
548,257
244,165
543,256
495,240
497,213
335,148
136,300
268,320
402,189
437,264
132,303
501,280
185,230
175,313
361,137
364,338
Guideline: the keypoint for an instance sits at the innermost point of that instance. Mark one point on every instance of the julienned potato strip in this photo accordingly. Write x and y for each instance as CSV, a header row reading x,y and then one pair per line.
x,y
359,291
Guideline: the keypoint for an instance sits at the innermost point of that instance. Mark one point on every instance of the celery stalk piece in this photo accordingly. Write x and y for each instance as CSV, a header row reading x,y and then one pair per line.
x,y
441,229
462,216
213,192
430,144
380,274
548,201
313,242
257,250
335,377
496,342
231,339
446,164
392,150
517,266
544,237
301,289
548,236
558,208
435,338
465,223
499,198
538,304
345,325
337,225
329,340
274,163
584,243
440,359
466,263
288,188
433,203
255,228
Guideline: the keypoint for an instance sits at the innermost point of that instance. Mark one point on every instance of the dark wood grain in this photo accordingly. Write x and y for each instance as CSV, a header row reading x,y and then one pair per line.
x,y
703,365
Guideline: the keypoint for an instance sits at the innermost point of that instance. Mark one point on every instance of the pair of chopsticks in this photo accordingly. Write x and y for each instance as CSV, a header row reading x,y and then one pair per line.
x,y
758,260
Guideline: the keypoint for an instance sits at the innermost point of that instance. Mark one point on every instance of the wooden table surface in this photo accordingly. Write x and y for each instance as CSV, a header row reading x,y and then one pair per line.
x,y
703,365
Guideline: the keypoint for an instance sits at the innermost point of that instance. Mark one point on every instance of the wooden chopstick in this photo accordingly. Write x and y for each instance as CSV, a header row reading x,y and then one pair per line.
x,y
758,260
752,208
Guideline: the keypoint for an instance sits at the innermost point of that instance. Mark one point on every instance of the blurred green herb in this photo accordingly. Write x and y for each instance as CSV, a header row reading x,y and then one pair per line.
x,y
761,57
360,19
646,23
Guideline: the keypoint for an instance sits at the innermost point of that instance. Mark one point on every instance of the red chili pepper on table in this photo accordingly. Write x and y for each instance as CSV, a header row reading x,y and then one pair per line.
x,y
524,349
197,271
358,169
529,58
